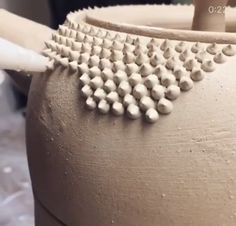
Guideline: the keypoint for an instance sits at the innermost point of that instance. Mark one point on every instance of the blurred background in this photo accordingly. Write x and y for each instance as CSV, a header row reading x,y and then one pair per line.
x,y
16,200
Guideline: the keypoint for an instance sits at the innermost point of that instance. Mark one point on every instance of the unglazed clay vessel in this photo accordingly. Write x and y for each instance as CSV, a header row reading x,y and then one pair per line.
x,y
136,124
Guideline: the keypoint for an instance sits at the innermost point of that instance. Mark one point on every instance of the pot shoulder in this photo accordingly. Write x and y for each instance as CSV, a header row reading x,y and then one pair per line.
x,y
89,167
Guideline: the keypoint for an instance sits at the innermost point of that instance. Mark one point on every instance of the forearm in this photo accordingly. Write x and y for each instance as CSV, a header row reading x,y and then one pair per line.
x,y
22,31
25,33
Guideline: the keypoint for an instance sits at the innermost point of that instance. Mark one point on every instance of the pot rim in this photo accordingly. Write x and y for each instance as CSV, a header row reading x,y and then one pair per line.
x,y
155,32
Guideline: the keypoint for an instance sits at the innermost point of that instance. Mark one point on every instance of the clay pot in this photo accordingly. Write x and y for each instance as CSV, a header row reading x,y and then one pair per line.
x,y
90,168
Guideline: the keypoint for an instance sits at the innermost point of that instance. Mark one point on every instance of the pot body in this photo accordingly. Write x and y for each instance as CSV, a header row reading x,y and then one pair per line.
x,y
91,169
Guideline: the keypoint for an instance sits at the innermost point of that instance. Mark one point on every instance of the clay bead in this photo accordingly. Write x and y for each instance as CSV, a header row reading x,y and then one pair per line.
x,y
49,44
62,30
107,74
73,65
146,69
96,50
86,91
153,42
185,83
94,72
140,49
132,68
97,41
90,103
73,25
146,103
76,46
139,91
141,59
73,34
86,48
79,36
208,66
124,88
51,55
88,39
86,29
100,34
229,50
151,115
118,37
84,58
158,92
172,62
133,111
151,80
197,75
83,68
190,64
118,66
116,55
103,107
220,58
172,92
153,50
96,82
159,71
80,27
157,59
105,53
84,79
129,57
64,62
93,61
129,99
169,52
186,54
164,106
69,42
165,44
62,40
116,45
51,65
129,39
47,52
168,79
135,79
107,43
196,47
120,76
202,56
212,48
180,47
138,41
93,31
99,94
112,97
118,108
105,64
179,72
109,86
128,48
65,51
74,55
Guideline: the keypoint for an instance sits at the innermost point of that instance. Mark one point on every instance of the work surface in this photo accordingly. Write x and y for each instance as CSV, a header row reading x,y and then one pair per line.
x,y
16,202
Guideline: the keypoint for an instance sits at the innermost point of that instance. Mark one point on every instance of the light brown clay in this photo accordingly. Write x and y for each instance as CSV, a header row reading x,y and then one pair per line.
x,y
209,15
99,167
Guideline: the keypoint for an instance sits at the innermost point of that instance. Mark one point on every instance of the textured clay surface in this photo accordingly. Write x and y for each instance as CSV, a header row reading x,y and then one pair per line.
x,y
91,169
138,75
